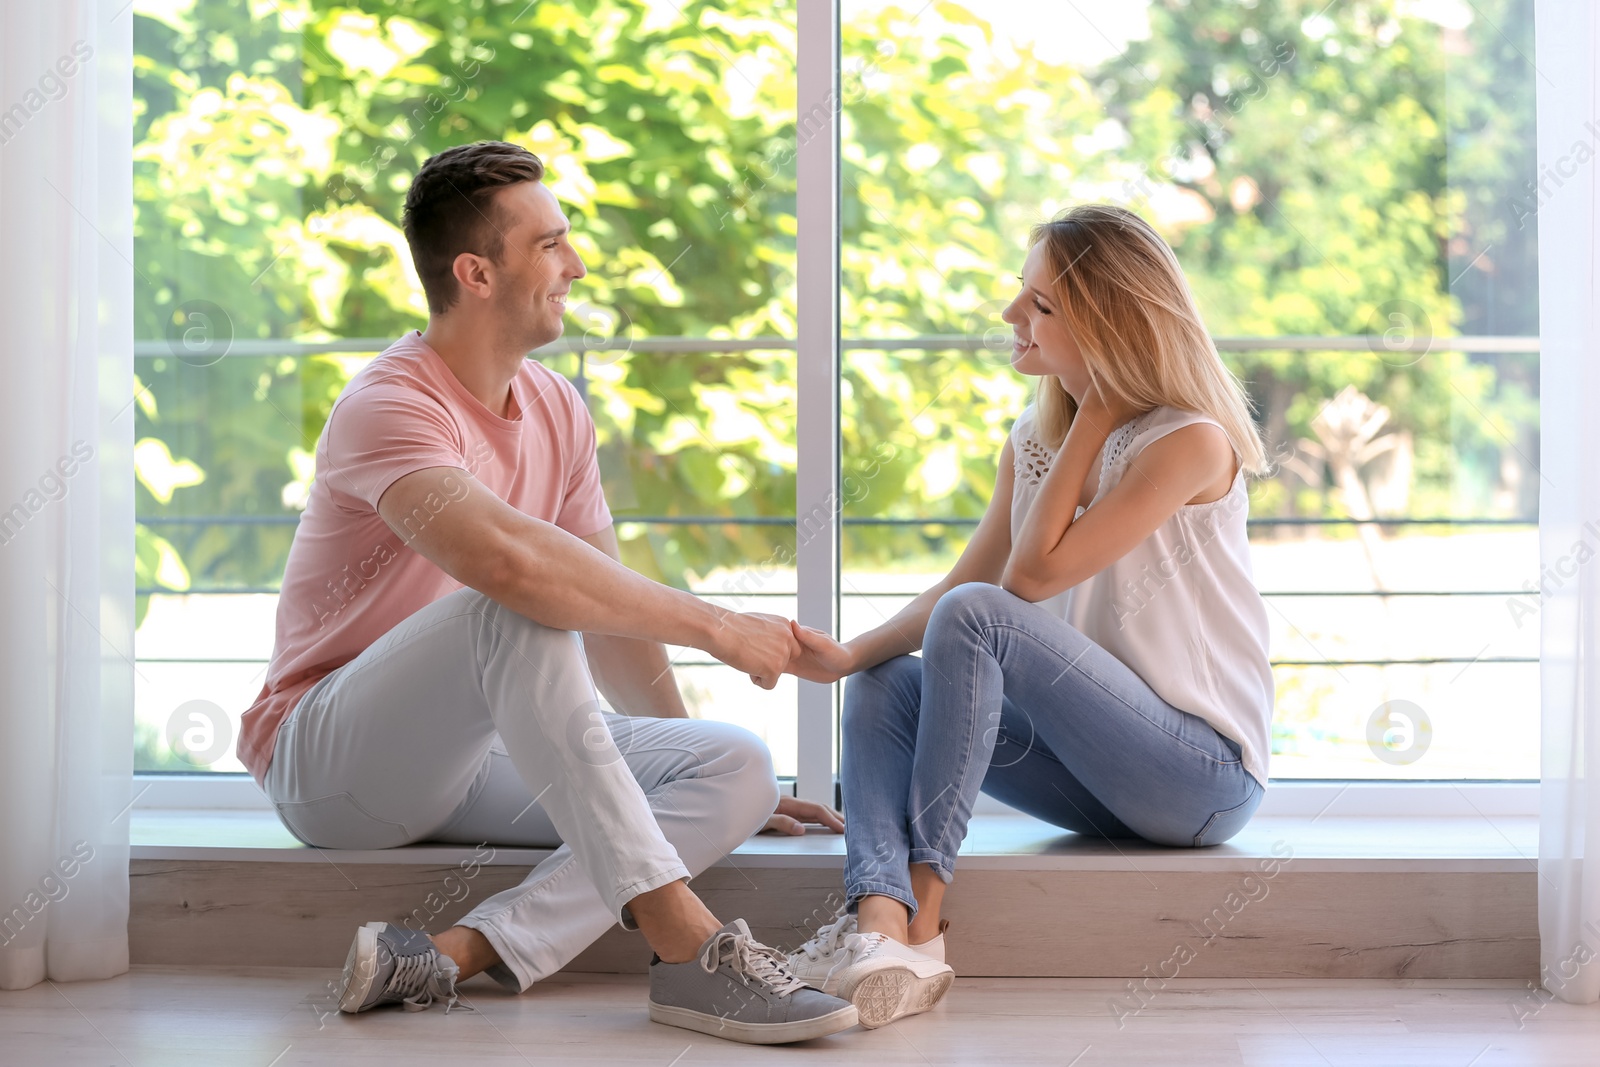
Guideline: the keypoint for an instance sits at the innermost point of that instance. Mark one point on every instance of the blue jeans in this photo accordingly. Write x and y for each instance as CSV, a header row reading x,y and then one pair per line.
x,y
1011,700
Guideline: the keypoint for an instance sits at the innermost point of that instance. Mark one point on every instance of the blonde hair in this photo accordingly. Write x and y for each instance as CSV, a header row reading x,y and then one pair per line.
x,y
1129,307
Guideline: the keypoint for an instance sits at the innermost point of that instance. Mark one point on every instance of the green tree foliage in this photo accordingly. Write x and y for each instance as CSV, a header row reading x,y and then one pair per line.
x,y
1318,169
1315,172
1332,153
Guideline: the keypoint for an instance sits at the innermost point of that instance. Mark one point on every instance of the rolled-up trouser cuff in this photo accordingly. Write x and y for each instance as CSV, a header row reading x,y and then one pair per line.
x,y
857,890
516,971
504,972
935,859
679,873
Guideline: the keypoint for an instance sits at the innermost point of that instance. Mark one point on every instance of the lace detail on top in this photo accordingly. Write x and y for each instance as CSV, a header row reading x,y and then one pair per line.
x,y
1119,440
420,977
1032,460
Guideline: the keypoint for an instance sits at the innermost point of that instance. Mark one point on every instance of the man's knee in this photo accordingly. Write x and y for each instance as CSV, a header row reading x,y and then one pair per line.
x,y
743,760
496,625
504,620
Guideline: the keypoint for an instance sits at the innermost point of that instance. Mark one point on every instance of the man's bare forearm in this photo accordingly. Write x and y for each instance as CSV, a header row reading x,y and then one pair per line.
x,y
566,582
555,578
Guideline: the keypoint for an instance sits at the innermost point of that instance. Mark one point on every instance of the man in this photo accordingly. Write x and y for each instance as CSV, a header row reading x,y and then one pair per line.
x,y
452,589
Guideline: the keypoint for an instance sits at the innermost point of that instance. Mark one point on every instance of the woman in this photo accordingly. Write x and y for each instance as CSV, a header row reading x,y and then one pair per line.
x,y
1098,655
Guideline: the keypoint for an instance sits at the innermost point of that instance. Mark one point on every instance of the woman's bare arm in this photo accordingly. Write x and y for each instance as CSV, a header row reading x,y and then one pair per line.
x,y
1055,551
981,561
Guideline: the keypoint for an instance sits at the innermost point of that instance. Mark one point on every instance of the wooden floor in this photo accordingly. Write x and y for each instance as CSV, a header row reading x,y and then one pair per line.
x,y
276,1017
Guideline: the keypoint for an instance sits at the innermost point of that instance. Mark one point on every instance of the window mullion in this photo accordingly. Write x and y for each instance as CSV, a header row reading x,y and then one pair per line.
x,y
817,516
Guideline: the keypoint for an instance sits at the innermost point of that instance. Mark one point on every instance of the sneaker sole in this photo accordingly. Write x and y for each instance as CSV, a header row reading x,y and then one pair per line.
x,y
886,995
755,1033
360,968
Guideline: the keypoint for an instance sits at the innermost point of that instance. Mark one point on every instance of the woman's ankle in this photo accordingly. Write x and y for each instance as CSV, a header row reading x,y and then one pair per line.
x,y
921,931
929,888
885,915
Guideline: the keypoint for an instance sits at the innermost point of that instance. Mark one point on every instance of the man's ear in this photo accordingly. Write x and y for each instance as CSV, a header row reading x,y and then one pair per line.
x,y
471,274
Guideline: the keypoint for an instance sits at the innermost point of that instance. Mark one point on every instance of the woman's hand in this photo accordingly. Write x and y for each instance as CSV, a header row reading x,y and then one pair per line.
x,y
792,816
821,658
1098,412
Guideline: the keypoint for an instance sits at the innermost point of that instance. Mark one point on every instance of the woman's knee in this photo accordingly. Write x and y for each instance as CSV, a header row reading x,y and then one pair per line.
x,y
969,605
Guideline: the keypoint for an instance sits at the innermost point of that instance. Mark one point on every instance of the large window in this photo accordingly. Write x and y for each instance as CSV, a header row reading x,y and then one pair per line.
x,y
1347,187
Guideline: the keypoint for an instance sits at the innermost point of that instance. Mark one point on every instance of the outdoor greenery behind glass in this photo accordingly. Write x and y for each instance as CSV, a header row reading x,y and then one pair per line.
x,y
1360,172
1338,171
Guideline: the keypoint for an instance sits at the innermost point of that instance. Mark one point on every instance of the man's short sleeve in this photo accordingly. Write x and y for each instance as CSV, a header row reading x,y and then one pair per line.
x,y
583,508
380,433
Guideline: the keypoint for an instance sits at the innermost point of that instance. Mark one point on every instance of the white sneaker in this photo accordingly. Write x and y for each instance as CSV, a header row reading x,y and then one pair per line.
x,y
815,961
884,979
815,957
934,948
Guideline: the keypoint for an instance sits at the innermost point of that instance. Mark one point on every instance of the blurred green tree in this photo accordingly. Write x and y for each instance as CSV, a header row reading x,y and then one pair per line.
x,y
1311,169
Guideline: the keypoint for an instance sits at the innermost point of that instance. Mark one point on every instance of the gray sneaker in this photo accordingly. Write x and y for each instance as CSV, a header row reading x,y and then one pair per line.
x,y
744,991
389,964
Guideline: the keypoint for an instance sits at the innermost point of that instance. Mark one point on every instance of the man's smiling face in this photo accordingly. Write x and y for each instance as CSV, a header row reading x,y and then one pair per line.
x,y
537,263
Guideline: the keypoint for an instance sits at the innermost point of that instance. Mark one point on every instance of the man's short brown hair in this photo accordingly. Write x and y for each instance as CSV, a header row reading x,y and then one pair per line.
x,y
450,210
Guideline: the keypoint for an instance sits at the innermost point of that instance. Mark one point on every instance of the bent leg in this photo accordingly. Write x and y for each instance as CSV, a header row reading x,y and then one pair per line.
x,y
1162,772
878,730
383,751
710,785
1027,775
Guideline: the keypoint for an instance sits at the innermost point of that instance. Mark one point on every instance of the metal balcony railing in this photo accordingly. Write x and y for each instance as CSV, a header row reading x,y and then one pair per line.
x,y
586,347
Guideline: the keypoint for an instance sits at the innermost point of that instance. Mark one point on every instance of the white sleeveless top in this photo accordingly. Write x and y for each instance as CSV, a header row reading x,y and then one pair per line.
x,y
1181,608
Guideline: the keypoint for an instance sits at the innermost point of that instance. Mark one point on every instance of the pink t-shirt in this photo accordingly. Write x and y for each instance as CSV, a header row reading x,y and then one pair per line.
x,y
350,578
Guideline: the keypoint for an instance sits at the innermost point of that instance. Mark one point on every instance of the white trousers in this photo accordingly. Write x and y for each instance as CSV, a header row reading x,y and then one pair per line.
x,y
471,723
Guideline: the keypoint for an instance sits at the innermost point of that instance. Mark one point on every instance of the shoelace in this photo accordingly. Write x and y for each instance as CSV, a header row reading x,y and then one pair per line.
x,y
421,977
760,963
858,946
830,937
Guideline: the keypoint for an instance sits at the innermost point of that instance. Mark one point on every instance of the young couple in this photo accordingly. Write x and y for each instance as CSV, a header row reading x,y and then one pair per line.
x,y
450,694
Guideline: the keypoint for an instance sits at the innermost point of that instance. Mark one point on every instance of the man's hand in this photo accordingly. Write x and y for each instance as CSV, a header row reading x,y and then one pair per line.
x,y
793,814
821,658
759,645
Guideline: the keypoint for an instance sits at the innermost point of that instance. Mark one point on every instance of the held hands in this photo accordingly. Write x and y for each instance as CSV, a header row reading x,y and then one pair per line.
x,y
758,644
821,659
767,646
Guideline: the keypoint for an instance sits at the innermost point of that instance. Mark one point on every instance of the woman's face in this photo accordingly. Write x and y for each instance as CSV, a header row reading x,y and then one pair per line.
x,y
1042,342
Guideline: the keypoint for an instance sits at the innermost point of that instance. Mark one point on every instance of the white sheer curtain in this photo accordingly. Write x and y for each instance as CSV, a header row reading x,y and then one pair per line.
x,y
66,488
1566,55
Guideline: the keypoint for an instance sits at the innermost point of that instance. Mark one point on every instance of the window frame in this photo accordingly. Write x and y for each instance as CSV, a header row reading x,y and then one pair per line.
x,y
819,344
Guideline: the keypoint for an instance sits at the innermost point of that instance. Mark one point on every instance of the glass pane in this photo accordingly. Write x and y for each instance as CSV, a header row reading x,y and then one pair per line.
x,y
274,145
1351,182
